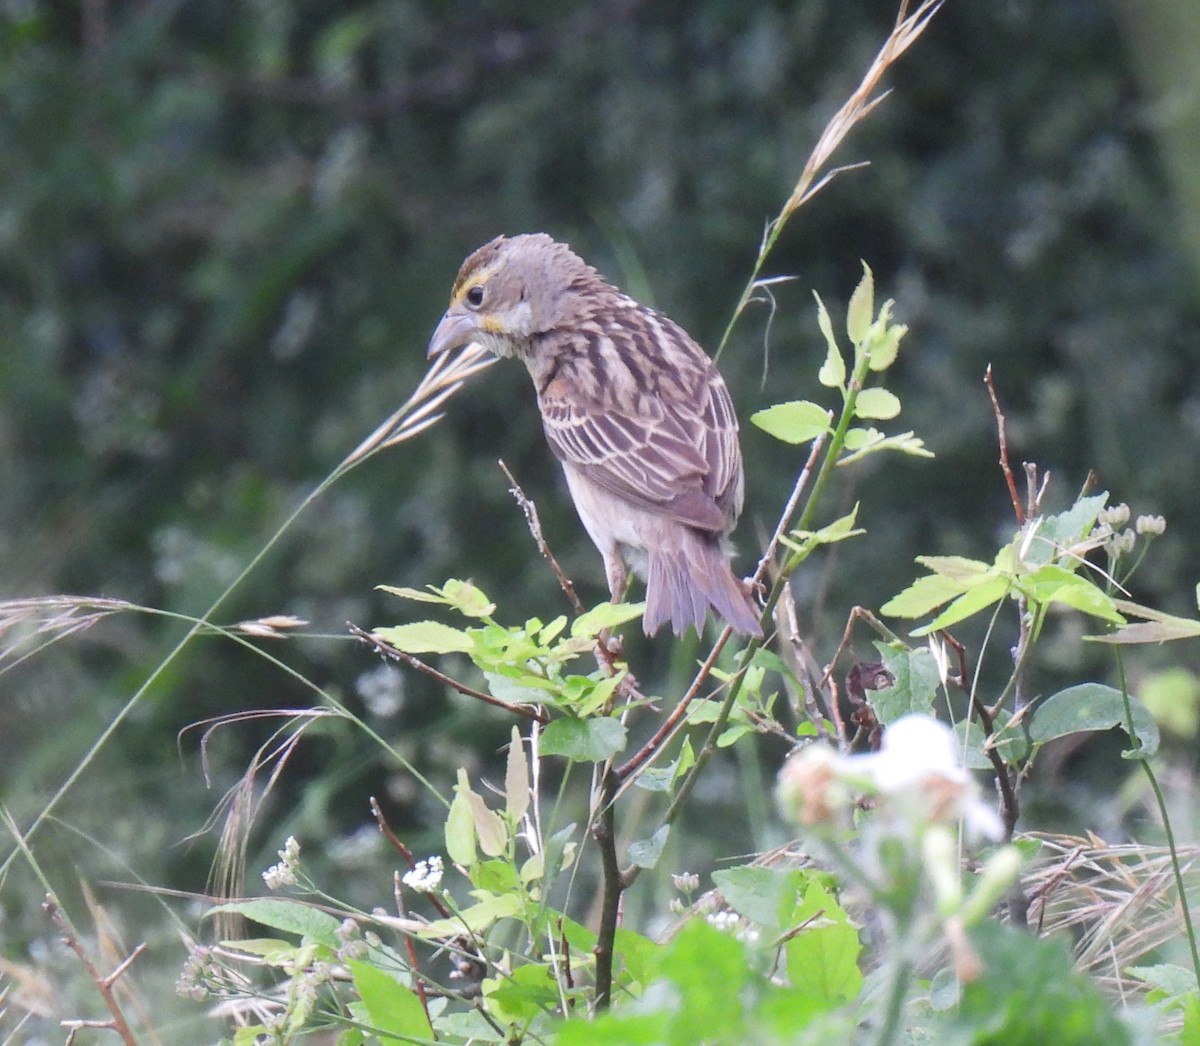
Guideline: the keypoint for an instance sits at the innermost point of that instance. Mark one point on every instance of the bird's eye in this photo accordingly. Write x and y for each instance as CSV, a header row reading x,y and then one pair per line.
x,y
475,296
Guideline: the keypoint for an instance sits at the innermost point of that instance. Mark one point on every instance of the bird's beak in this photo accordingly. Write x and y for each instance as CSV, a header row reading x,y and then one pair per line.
x,y
454,330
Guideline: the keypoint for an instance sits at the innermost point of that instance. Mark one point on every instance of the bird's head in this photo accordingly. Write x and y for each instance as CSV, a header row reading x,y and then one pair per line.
x,y
509,290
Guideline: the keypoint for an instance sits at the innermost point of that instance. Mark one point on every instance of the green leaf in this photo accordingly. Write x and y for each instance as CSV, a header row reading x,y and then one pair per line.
x,y
523,994
1156,628
394,1010
861,310
490,830
588,740
467,599
475,919
289,916
460,831
709,969
605,615
968,604
923,595
833,371
1064,529
872,441
797,421
916,683
426,637
1087,707
876,404
767,896
646,852
885,340
516,779
1031,992
822,959
1055,584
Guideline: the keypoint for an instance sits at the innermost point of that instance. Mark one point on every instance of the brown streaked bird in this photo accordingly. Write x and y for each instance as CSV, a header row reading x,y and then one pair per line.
x,y
633,408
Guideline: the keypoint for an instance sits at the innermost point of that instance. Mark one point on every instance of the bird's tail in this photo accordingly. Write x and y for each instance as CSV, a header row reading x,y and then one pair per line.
x,y
683,582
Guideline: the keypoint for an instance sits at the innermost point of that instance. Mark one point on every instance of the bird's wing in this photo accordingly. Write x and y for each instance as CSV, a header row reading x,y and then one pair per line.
x,y
676,456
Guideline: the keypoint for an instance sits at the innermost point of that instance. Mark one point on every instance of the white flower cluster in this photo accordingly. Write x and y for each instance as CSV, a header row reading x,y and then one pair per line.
x,y
916,774
284,873
425,876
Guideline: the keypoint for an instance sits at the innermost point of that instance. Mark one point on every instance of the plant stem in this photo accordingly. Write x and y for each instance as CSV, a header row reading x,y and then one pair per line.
x,y
610,905
897,993
1160,800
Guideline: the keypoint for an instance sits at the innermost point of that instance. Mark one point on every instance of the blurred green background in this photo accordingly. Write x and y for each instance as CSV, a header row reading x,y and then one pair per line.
x,y
228,228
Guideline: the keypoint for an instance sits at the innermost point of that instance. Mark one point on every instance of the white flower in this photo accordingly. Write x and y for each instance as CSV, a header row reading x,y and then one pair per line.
x,y
425,876
917,773
918,768
284,873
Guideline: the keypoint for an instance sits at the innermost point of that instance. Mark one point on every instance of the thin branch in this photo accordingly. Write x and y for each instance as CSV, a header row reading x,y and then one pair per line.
x,y
604,832
104,985
529,509
1001,432
404,851
1009,806
389,651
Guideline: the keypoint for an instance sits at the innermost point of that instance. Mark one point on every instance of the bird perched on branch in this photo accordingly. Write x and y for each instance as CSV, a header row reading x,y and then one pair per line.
x,y
633,408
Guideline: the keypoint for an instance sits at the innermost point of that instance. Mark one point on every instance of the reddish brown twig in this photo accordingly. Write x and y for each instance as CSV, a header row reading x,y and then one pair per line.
x,y
389,651
1002,433
404,851
105,985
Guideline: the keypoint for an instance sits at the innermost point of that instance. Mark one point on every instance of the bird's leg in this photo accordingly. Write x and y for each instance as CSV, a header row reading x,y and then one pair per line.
x,y
608,646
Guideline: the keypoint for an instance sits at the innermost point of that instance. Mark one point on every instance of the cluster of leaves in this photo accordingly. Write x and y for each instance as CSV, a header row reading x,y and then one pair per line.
x,y
788,944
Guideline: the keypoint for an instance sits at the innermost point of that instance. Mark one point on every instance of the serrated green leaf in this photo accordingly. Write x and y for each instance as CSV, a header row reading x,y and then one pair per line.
x,y
426,637
798,421
289,916
394,1011
605,615
923,595
876,404
980,597
1088,707
646,852
588,740
1055,584
861,310
468,599
417,594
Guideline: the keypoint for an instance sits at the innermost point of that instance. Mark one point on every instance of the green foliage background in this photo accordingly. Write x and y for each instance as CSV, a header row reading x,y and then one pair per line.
x,y
227,229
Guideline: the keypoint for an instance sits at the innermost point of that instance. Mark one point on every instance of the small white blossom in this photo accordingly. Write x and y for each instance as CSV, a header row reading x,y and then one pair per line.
x,y
284,873
1151,525
686,882
724,920
425,877
1114,515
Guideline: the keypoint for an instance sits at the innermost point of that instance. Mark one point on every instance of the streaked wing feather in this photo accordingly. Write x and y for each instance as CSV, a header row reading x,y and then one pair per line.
x,y
652,463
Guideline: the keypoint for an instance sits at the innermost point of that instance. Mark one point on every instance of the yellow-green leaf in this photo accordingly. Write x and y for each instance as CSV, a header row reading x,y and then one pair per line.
x,y
516,779
798,421
426,637
833,371
861,310
876,404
